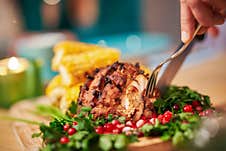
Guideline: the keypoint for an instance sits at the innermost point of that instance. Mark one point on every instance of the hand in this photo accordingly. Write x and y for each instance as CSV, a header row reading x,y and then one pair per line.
x,y
207,13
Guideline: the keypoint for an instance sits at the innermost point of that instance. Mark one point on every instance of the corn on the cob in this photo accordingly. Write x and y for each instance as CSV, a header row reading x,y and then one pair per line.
x,y
70,47
72,93
89,60
73,60
146,70
54,83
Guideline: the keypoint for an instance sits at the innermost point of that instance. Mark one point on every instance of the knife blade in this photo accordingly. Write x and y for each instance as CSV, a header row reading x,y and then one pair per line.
x,y
173,67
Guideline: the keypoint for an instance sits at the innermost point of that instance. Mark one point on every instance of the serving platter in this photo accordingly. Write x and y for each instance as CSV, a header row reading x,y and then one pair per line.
x,y
24,131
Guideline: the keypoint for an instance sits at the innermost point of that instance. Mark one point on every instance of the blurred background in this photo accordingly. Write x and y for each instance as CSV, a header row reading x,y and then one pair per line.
x,y
144,30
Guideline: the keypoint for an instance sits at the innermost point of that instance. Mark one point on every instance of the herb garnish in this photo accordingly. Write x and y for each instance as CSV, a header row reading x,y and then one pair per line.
x,y
179,112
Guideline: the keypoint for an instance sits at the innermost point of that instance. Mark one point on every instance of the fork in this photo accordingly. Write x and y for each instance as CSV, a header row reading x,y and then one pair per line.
x,y
153,78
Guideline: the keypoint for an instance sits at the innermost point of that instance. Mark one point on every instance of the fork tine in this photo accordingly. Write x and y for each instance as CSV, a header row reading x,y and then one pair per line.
x,y
152,83
149,85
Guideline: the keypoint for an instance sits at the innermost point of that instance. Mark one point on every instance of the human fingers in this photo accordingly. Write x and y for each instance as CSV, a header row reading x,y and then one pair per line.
x,y
204,13
213,31
187,21
217,5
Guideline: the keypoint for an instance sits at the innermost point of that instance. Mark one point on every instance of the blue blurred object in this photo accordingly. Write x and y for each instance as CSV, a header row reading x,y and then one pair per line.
x,y
134,44
39,49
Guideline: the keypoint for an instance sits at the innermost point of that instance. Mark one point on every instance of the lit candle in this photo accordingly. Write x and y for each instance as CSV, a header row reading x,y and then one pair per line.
x,y
17,80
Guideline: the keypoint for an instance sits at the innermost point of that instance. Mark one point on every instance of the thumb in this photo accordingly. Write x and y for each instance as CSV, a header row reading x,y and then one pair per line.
x,y
187,21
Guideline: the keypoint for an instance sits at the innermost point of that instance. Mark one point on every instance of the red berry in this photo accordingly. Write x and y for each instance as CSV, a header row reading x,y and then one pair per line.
x,y
108,127
115,122
99,130
116,131
66,127
195,103
187,108
74,123
71,131
176,107
140,123
64,140
198,108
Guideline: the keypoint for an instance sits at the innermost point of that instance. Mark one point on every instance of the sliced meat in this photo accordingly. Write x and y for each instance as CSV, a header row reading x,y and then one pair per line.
x,y
117,89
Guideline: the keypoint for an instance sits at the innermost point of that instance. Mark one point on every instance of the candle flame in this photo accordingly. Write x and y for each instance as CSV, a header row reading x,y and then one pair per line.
x,y
13,63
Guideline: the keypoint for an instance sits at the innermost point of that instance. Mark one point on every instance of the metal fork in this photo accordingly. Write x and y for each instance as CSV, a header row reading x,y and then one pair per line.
x,y
153,78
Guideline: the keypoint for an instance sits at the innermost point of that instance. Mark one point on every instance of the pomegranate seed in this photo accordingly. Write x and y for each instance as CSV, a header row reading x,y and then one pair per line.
x,y
195,103
64,140
143,117
140,123
99,130
168,115
202,114
140,134
154,115
66,127
115,122
165,120
74,123
129,123
108,127
187,108
120,126
198,108
71,131
176,107
160,117
153,121
116,131
208,112
126,129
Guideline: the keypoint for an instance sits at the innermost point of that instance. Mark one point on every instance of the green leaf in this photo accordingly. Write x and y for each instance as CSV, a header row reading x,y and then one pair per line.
x,y
184,127
189,134
36,135
178,138
147,128
105,142
73,108
120,142
86,109
80,135
110,117
166,136
50,111
122,119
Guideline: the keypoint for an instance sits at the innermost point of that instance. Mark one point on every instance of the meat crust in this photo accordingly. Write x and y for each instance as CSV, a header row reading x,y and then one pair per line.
x,y
118,90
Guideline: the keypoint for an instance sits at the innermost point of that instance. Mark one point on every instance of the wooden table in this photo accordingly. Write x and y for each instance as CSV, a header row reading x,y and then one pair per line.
x,y
208,77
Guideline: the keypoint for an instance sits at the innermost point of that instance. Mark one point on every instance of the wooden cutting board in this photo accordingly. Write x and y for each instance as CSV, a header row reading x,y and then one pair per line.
x,y
24,131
